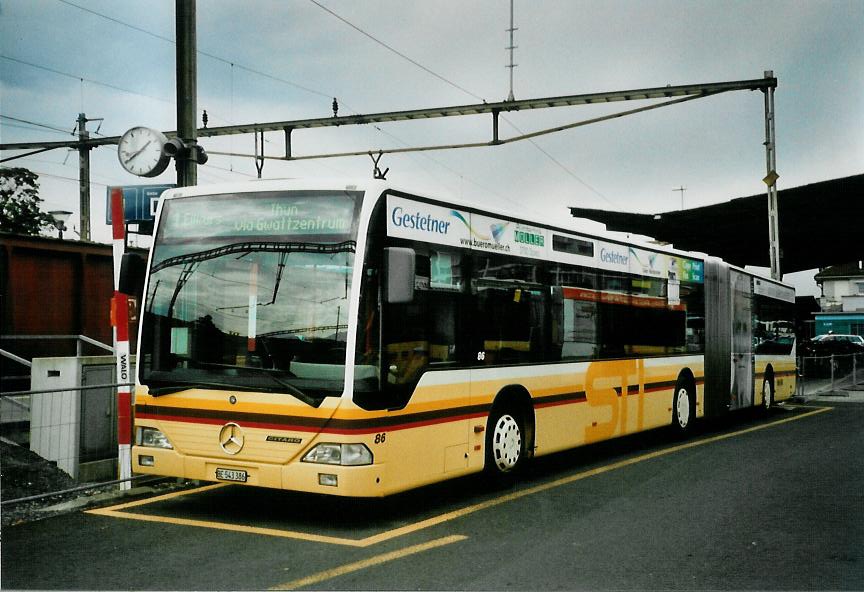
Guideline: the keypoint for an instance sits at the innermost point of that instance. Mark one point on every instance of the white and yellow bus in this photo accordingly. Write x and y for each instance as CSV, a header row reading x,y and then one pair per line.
x,y
358,340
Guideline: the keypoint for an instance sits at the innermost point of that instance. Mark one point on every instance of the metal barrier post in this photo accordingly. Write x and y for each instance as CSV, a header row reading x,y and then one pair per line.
x,y
831,361
798,377
854,369
121,346
802,377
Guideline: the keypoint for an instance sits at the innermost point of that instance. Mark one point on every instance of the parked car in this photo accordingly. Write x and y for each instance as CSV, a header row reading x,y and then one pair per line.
x,y
842,347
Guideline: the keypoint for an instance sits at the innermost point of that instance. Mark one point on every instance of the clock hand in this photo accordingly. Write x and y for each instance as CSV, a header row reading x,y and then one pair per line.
x,y
139,151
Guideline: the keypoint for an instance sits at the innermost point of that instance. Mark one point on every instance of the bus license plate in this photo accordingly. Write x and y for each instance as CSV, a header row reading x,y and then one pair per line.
x,y
231,475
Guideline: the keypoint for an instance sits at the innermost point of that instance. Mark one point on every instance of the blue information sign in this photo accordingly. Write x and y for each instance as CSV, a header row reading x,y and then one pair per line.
x,y
139,202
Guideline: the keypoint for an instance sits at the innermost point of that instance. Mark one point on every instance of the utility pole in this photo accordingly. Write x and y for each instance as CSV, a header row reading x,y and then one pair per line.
x,y
187,93
83,177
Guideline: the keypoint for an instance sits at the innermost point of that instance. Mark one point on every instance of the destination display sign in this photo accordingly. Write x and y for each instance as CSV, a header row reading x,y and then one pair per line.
x,y
256,215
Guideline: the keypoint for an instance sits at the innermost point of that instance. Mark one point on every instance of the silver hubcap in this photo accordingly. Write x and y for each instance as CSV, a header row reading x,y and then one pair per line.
x,y
682,408
766,394
506,443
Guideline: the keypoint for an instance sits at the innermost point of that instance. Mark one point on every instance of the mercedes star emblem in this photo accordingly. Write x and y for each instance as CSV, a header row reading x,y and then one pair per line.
x,y
231,438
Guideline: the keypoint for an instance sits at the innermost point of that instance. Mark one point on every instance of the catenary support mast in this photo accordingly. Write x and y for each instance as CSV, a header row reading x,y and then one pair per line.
x,y
771,180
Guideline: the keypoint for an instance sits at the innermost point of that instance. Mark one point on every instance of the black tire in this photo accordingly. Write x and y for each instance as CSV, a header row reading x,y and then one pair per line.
x,y
506,443
683,407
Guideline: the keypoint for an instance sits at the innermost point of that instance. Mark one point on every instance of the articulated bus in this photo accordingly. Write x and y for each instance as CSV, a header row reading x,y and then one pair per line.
x,y
359,340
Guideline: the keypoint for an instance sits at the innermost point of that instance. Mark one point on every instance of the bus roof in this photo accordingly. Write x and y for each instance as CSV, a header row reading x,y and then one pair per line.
x,y
589,228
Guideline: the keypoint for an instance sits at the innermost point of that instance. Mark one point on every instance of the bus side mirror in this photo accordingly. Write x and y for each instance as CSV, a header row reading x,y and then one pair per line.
x,y
132,271
399,286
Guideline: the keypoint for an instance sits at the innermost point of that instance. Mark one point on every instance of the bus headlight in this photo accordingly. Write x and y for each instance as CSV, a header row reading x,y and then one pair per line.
x,y
151,437
350,455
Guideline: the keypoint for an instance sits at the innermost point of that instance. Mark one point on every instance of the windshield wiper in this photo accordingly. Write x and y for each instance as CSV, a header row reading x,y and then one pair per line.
x,y
185,386
270,373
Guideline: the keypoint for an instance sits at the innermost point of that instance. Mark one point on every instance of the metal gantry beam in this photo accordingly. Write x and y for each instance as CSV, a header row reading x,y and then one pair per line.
x,y
662,92
495,141
499,107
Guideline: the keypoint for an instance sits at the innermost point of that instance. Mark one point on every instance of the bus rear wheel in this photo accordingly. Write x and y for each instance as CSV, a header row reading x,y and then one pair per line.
x,y
683,407
505,442
767,393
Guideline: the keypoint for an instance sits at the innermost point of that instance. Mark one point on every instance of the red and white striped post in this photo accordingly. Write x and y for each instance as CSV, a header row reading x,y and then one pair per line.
x,y
120,319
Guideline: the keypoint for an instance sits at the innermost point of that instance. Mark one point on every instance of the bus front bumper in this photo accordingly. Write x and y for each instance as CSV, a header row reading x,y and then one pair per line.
x,y
358,481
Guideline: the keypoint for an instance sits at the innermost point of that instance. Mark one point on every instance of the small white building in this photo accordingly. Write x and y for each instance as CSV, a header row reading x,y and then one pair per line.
x,y
842,300
842,287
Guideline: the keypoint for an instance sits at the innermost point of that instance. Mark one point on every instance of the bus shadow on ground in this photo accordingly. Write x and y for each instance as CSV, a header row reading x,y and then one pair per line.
x,y
358,519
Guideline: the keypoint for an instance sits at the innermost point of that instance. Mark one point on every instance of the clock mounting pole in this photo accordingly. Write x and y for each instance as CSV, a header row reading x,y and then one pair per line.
x,y
187,101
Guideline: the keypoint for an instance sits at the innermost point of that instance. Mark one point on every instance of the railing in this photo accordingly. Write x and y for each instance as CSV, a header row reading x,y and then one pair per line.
x,y
80,340
830,374
50,458
14,358
18,375
50,445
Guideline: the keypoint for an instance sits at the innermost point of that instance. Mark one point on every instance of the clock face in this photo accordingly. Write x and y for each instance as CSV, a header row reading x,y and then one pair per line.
x,y
140,152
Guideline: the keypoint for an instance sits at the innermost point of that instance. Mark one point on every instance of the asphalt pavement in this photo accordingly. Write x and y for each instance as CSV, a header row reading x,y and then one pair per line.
x,y
751,502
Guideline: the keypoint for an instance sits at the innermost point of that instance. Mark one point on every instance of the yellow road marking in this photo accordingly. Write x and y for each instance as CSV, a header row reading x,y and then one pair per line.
x,y
115,511
275,532
370,562
159,498
570,479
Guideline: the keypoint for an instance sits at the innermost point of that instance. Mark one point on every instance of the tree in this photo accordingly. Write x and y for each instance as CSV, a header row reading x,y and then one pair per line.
x,y
19,202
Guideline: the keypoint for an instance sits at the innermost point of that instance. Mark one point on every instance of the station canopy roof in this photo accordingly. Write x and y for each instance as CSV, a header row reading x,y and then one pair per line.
x,y
821,224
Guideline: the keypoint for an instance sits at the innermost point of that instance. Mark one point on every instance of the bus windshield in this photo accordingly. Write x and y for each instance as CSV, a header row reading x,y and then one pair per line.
x,y
250,291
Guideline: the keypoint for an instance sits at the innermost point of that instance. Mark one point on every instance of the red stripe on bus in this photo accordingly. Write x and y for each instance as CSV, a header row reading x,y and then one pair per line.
x,y
559,403
310,429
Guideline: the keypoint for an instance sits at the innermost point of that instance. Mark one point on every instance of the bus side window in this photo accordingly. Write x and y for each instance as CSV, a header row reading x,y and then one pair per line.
x,y
579,317
693,299
446,301
580,329
509,322
425,333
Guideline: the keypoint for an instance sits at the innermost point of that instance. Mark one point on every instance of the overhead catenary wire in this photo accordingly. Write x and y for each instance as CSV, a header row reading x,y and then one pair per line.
x,y
81,78
34,123
230,62
396,51
226,61
472,94
233,63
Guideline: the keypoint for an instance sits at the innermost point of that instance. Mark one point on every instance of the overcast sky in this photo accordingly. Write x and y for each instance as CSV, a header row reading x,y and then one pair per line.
x,y
262,61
